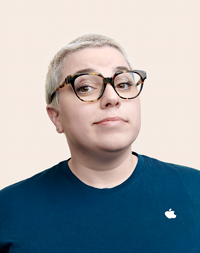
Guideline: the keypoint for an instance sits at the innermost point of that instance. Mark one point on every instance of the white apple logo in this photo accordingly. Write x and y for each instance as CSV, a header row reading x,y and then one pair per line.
x,y
170,214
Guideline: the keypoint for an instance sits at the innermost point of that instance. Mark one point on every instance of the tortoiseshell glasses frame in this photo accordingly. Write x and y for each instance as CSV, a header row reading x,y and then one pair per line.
x,y
71,80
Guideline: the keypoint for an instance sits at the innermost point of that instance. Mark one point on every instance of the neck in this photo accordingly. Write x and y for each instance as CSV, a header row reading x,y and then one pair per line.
x,y
106,171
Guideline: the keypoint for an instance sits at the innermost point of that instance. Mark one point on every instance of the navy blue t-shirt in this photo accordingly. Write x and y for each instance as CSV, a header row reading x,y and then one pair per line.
x,y
157,209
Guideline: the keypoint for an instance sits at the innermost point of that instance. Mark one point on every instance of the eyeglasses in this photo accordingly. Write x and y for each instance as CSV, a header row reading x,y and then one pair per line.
x,y
89,87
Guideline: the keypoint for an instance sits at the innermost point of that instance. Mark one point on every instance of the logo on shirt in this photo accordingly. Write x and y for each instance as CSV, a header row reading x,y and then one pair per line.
x,y
170,214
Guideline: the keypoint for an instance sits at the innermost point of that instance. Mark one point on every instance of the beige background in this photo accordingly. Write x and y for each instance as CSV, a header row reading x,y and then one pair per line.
x,y
161,37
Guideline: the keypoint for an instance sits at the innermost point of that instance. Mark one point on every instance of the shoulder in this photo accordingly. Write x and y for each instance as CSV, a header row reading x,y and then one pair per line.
x,y
184,172
184,178
25,203
30,195
32,186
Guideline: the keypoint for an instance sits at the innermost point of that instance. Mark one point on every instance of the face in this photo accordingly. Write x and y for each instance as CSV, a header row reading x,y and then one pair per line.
x,y
109,124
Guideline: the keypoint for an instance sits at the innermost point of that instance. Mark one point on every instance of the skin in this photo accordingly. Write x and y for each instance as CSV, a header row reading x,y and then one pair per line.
x,y
100,150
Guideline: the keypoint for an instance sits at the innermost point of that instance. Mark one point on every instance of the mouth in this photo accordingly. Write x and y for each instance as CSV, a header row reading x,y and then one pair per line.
x,y
111,121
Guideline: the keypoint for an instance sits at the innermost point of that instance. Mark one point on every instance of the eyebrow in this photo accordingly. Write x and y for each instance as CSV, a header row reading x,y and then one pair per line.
x,y
89,70
119,68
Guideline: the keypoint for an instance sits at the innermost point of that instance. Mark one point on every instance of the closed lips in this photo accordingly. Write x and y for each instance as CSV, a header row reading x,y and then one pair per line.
x,y
110,119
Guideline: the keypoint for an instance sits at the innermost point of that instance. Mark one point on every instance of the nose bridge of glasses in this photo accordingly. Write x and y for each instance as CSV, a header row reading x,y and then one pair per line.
x,y
109,80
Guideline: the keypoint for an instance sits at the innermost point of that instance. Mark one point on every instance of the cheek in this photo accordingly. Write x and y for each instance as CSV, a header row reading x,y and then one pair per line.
x,y
138,109
135,111
75,118
135,119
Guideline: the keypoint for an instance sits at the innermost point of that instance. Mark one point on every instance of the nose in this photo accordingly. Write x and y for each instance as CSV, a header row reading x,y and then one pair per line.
x,y
110,98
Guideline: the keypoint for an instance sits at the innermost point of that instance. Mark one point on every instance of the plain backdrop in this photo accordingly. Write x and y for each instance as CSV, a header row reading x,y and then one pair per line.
x,y
160,37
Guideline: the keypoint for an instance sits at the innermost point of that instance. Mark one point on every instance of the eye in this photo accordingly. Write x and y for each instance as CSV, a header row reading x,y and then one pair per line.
x,y
87,84
84,89
124,86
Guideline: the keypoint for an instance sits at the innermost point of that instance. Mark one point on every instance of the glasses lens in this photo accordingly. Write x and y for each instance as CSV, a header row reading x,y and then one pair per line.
x,y
128,85
88,87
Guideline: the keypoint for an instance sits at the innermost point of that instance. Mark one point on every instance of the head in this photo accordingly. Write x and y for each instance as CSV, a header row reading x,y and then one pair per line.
x,y
54,75
102,126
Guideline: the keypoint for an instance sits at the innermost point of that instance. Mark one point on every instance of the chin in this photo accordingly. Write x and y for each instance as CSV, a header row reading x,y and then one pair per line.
x,y
116,146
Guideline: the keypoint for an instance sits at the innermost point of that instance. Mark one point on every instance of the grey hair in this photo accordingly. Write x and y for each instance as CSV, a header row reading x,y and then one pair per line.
x,y
54,73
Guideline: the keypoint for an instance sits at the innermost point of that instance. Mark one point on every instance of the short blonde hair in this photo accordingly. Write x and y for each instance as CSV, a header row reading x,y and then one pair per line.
x,y
54,74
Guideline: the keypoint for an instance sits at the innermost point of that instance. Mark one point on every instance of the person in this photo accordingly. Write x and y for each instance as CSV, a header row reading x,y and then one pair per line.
x,y
105,198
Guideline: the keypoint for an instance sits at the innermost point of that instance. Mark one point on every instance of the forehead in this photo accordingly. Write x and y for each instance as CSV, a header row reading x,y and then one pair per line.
x,y
97,58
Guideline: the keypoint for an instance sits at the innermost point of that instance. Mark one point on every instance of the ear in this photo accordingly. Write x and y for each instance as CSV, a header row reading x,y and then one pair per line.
x,y
54,116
